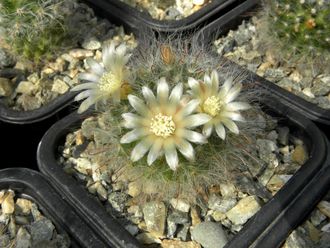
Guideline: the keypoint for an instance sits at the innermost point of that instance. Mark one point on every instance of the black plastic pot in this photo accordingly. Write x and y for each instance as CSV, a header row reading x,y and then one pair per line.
x,y
261,225
85,204
231,20
304,204
19,147
27,117
32,185
122,13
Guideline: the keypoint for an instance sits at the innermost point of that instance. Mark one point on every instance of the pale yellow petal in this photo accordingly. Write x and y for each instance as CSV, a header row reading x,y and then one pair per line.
x,y
83,95
236,106
133,135
233,115
231,125
162,90
196,120
176,94
138,105
131,120
190,107
95,67
233,93
207,129
186,149
148,95
86,104
194,137
155,151
220,130
225,88
84,86
89,77
140,150
194,85
172,157
215,81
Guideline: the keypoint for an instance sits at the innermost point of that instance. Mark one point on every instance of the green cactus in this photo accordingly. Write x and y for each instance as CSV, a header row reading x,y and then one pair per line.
x,y
300,26
34,28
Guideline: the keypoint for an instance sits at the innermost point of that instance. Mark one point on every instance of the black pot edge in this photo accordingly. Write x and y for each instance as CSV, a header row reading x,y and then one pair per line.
x,y
9,115
231,20
298,209
122,12
76,194
35,185
88,207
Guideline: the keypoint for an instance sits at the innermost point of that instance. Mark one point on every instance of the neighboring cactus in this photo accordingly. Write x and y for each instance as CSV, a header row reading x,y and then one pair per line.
x,y
34,28
302,27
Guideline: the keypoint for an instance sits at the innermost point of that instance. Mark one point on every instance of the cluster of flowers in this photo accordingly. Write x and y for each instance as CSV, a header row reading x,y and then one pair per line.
x,y
165,121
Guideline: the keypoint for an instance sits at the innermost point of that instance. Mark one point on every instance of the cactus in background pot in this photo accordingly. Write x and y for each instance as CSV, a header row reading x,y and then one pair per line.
x,y
33,29
299,30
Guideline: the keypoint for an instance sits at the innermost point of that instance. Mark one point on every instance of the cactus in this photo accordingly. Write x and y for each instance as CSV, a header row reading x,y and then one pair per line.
x,y
182,127
301,27
34,28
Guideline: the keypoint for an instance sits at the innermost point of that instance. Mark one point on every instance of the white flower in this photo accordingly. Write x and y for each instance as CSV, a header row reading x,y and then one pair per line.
x,y
106,80
163,125
218,103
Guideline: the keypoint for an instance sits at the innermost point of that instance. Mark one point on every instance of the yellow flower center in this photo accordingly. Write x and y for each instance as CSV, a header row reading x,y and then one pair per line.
x,y
109,83
162,125
212,105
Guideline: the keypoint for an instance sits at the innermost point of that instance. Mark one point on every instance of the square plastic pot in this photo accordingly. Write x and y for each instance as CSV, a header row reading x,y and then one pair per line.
x,y
231,20
122,13
32,116
20,142
35,187
264,225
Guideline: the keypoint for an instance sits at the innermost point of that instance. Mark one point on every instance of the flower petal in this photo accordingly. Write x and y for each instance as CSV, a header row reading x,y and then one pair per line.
x,y
176,93
131,120
194,85
133,135
84,86
207,129
155,151
83,95
235,106
233,115
86,104
186,149
148,95
233,93
126,58
162,90
138,104
172,157
194,137
95,67
215,81
231,125
89,77
140,150
121,49
108,55
190,107
225,88
207,81
221,132
196,120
